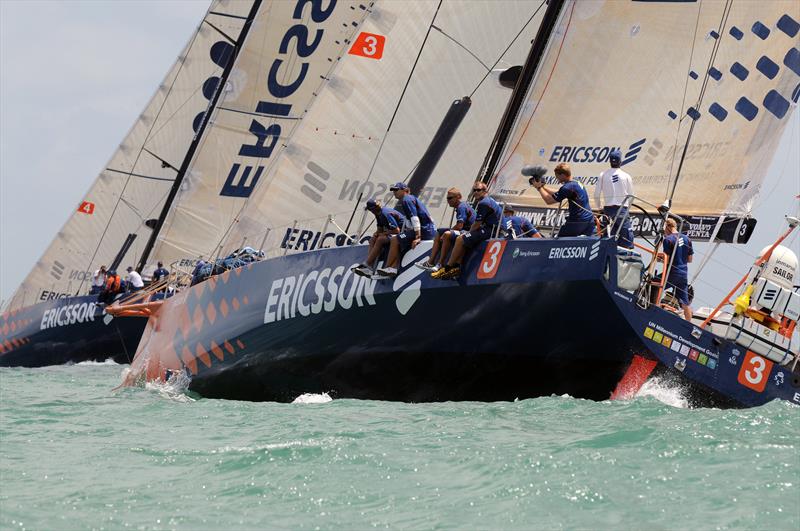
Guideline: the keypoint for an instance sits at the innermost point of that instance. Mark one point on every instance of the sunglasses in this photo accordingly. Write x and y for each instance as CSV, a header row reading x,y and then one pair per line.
x,y
449,197
479,189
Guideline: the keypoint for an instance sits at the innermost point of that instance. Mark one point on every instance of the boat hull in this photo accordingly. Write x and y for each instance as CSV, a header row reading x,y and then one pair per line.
x,y
539,322
713,371
69,330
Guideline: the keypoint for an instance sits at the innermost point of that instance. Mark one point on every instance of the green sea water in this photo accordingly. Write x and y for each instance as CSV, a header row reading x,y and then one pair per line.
x,y
76,455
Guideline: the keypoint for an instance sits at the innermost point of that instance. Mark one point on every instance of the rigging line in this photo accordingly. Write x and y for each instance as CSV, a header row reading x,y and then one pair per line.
x,y
220,31
440,30
488,70
147,137
139,175
510,44
199,135
685,92
720,30
544,90
164,163
403,93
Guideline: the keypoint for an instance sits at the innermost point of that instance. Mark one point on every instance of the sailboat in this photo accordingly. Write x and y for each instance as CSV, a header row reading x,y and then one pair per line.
x,y
527,317
51,318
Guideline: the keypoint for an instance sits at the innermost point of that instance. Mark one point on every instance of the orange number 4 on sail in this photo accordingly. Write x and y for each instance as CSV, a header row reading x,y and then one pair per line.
x,y
86,207
369,45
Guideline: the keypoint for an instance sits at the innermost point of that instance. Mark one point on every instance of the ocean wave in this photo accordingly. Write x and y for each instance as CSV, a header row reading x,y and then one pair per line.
x,y
313,398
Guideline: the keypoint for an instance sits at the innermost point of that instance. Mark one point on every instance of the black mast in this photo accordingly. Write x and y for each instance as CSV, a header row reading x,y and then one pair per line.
x,y
518,96
176,184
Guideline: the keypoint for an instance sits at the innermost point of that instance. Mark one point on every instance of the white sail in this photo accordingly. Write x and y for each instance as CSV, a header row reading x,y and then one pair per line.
x,y
637,75
287,55
368,124
132,187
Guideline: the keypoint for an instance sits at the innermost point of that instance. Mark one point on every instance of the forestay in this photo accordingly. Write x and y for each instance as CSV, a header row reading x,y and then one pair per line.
x,y
358,116
637,76
132,187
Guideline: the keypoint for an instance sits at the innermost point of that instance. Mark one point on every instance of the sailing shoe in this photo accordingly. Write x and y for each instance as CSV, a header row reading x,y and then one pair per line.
x,y
387,272
425,264
451,273
363,270
439,273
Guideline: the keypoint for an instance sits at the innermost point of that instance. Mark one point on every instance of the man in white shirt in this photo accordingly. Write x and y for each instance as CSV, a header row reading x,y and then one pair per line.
x,y
98,280
134,280
612,187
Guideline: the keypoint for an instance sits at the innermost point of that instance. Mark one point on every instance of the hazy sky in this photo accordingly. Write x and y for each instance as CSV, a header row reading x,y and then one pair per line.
x,y
75,75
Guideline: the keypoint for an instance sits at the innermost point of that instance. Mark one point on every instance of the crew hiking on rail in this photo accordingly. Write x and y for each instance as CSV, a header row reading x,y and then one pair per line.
x,y
389,222
443,242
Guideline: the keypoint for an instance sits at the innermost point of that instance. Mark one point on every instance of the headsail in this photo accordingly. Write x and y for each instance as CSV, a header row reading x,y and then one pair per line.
x,y
368,119
130,191
731,69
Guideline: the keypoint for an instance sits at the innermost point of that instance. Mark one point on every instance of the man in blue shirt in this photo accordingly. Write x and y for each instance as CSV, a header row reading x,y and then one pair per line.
x,y
678,248
464,217
389,222
517,226
488,216
421,228
160,273
580,219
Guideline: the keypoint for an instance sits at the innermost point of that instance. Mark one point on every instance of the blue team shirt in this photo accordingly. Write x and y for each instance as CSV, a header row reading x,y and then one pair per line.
x,y
518,227
410,206
389,219
465,214
576,193
488,212
160,273
680,263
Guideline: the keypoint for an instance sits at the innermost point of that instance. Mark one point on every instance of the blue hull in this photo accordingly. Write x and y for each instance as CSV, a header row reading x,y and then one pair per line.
x,y
714,371
538,321
67,330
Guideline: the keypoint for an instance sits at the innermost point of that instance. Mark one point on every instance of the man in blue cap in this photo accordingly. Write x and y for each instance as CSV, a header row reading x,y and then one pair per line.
x,y
613,186
421,228
389,222
580,219
488,215
464,217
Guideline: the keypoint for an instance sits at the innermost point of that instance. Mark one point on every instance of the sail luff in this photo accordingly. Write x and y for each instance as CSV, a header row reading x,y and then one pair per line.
x,y
198,136
524,82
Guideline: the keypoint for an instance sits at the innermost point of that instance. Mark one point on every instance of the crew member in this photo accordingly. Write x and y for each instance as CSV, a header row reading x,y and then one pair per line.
x,y
613,186
134,280
112,287
679,261
580,219
98,280
196,272
517,226
488,215
388,222
422,228
464,216
160,273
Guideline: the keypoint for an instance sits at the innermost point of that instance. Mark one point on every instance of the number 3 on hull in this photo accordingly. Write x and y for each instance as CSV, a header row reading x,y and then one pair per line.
x,y
754,372
491,259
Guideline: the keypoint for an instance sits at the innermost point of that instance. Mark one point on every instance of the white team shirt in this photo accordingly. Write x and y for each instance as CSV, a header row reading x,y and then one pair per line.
x,y
135,279
99,279
614,184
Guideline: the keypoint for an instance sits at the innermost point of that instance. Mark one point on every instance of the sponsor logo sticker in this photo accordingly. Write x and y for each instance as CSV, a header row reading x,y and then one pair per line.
x,y
702,359
648,333
712,363
657,337
693,354
667,342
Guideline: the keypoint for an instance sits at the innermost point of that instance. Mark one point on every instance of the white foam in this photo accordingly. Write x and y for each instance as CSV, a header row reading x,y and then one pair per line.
x,y
174,388
313,398
109,361
666,392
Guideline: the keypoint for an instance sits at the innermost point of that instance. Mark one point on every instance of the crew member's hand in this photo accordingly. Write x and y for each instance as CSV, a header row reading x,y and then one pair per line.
x,y
415,242
538,184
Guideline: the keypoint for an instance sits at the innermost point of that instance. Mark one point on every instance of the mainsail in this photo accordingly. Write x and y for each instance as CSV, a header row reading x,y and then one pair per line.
x,y
727,72
124,201
362,90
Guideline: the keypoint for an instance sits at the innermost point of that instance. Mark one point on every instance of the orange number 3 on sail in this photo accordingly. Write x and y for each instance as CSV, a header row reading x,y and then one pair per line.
x,y
369,45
